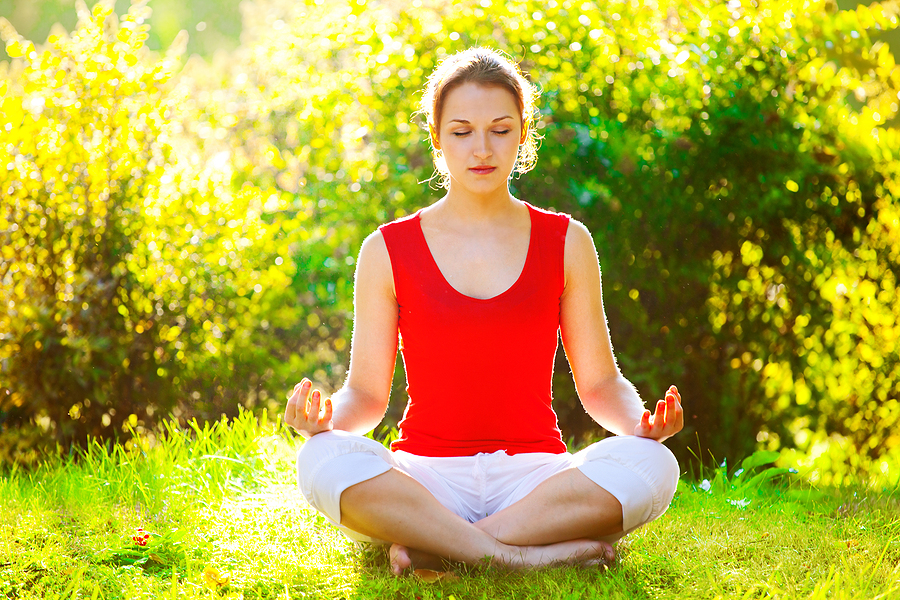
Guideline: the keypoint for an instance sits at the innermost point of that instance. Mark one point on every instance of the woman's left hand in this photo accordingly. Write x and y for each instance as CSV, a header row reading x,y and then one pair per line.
x,y
668,420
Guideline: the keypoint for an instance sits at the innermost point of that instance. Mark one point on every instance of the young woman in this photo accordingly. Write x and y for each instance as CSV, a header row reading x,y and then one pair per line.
x,y
479,285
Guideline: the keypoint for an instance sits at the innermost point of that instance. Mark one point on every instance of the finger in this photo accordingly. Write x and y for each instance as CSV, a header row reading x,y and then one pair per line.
x,y
659,420
303,399
314,405
645,420
675,392
290,411
329,411
299,385
679,417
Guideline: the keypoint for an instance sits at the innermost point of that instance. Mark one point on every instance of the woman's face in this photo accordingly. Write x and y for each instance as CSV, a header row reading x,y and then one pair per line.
x,y
479,136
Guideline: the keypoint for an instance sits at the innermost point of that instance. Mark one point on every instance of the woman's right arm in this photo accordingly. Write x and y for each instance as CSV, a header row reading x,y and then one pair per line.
x,y
360,405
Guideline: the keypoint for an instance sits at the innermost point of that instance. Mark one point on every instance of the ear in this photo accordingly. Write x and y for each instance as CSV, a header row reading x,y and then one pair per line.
x,y
435,141
525,126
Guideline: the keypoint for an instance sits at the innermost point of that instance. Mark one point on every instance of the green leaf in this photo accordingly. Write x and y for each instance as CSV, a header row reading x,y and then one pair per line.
x,y
759,458
765,475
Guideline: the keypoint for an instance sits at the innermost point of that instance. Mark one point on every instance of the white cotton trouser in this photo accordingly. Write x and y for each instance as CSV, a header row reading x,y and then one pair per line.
x,y
641,474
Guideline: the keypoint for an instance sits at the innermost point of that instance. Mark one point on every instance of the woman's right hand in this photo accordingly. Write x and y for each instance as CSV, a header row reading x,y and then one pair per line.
x,y
303,410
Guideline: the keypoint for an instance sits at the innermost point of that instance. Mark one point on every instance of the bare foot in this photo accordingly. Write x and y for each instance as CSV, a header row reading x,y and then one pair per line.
x,y
403,558
400,560
587,552
575,552
608,558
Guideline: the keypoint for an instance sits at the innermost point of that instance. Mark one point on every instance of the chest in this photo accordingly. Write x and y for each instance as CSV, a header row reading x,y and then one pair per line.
x,y
483,265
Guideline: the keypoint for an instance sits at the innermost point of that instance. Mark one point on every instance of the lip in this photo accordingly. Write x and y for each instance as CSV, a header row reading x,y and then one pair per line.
x,y
483,170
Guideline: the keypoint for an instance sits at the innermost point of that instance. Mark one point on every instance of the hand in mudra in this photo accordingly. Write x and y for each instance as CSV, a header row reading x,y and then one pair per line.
x,y
666,422
304,410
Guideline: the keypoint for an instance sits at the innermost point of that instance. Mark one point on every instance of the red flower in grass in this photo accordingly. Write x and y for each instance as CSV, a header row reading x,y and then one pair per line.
x,y
141,537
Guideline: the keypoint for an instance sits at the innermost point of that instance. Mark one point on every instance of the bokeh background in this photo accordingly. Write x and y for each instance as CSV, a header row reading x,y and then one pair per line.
x,y
184,187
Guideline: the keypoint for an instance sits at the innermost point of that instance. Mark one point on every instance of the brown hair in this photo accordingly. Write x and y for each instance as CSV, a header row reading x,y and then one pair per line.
x,y
486,67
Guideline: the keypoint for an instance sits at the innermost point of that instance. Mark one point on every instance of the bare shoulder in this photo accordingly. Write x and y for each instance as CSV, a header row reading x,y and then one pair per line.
x,y
374,253
374,243
578,239
580,253
373,267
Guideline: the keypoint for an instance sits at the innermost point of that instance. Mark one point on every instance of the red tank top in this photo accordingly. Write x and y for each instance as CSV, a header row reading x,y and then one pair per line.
x,y
478,371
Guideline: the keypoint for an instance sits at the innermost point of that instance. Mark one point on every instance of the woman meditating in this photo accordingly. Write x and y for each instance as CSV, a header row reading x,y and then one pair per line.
x,y
478,285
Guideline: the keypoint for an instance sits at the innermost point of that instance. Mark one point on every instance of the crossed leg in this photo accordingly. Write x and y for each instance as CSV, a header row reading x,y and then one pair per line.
x,y
568,518
557,523
565,506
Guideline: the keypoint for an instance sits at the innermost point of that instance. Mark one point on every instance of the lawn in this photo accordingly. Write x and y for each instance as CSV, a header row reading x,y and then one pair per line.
x,y
212,512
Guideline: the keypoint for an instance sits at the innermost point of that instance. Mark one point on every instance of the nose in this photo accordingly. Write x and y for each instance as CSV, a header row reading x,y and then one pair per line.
x,y
482,149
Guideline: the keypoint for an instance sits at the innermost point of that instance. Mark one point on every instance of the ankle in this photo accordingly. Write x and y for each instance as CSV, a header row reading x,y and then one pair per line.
x,y
508,556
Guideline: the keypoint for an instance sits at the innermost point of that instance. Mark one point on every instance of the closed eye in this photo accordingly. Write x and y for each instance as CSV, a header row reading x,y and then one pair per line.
x,y
465,133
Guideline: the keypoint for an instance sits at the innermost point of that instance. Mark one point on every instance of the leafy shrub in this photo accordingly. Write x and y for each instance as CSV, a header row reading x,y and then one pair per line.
x,y
713,151
127,291
719,153
736,163
732,186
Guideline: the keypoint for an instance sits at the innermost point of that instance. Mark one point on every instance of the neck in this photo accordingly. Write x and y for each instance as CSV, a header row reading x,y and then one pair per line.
x,y
479,207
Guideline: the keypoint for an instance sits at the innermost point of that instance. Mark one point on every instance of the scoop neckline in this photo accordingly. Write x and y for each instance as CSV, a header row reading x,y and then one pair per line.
x,y
510,289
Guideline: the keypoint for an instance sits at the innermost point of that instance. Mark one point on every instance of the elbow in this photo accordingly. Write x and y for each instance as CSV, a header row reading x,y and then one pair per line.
x,y
359,411
610,391
612,382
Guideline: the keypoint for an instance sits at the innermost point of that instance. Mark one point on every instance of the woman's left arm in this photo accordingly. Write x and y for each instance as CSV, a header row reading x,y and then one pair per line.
x,y
609,398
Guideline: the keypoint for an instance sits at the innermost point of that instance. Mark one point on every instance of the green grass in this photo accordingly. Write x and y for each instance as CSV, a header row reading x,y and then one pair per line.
x,y
221,499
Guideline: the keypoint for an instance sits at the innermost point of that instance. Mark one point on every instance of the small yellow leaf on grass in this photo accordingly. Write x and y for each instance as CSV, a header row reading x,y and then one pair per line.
x,y
852,543
214,579
429,576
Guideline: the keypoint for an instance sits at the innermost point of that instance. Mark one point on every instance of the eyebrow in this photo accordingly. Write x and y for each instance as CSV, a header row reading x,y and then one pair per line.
x,y
467,123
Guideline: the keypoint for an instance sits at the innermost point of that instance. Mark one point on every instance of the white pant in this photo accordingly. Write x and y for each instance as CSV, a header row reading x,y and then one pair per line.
x,y
642,475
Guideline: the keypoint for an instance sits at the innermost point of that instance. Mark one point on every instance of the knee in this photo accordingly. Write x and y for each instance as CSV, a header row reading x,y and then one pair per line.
x,y
648,458
317,451
329,462
665,473
641,473
658,467
312,452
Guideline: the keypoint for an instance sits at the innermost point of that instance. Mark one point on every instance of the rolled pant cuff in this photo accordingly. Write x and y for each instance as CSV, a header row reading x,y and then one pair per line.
x,y
632,492
338,473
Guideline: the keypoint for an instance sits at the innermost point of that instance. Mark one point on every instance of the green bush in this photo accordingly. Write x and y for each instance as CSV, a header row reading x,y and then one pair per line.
x,y
732,186
736,163
128,291
733,161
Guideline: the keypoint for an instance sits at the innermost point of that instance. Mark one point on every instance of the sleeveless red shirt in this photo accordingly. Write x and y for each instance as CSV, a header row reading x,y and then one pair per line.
x,y
478,371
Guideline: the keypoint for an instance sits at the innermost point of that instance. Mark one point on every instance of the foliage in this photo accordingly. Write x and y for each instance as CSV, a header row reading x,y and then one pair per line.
x,y
717,152
223,520
214,26
731,186
128,290
736,163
